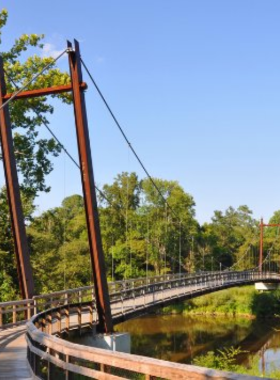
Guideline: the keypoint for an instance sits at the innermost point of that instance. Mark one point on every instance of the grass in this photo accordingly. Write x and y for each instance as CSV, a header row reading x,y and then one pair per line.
x,y
226,360
245,301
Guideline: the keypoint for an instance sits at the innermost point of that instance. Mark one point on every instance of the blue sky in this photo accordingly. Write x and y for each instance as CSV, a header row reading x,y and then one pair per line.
x,y
195,85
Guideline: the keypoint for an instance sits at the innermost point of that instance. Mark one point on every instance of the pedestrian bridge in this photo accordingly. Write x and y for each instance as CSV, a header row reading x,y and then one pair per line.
x,y
48,318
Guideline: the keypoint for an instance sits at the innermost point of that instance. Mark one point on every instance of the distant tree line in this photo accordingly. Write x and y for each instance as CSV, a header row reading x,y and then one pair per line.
x,y
141,237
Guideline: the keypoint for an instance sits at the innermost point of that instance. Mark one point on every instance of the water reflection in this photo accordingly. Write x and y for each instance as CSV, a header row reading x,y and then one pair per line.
x,y
180,338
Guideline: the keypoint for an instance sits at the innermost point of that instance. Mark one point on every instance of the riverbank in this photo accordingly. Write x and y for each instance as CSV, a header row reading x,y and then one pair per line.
x,y
225,343
243,301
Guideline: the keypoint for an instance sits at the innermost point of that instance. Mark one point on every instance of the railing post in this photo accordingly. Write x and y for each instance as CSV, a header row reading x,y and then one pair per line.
x,y
1,317
35,362
43,323
79,318
49,323
91,315
67,321
14,314
28,310
49,365
58,316
66,299
66,370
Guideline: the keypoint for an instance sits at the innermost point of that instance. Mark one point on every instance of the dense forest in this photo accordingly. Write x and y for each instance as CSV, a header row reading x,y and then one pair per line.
x,y
142,235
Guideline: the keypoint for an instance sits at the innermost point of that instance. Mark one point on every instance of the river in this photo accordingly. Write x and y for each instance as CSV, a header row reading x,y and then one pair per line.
x,y
181,338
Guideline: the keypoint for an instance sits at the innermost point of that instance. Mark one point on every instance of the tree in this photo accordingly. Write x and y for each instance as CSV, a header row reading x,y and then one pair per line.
x,y
140,232
27,116
59,243
33,153
271,243
118,219
229,237
172,225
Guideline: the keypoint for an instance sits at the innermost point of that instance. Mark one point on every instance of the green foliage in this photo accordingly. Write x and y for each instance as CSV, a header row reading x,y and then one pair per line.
x,y
224,359
27,116
227,238
137,237
58,238
140,233
230,301
7,290
266,304
140,238
235,301
3,20
33,153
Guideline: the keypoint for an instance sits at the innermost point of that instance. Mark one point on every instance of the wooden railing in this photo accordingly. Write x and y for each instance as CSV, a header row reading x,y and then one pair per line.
x,y
63,297
131,301
132,295
51,357
14,313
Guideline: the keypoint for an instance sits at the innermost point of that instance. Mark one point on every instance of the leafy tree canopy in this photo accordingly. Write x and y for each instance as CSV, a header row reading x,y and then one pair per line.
x,y
33,153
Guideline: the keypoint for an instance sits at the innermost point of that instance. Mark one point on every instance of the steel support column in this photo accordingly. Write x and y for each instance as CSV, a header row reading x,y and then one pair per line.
x,y
17,219
261,246
96,251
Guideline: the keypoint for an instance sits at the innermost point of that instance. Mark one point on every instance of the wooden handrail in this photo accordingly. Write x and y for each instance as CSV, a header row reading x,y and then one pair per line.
x,y
59,309
122,291
108,361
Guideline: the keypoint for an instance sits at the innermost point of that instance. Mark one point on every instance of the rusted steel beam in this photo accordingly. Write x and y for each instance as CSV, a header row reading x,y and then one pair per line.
x,y
261,246
17,219
44,91
94,235
272,225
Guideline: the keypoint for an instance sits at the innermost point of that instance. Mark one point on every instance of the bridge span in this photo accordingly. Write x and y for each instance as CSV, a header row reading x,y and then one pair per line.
x,y
48,318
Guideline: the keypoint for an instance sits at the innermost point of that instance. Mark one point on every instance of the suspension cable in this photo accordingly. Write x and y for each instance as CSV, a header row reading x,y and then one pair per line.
x,y
271,248
246,251
126,139
57,139
33,78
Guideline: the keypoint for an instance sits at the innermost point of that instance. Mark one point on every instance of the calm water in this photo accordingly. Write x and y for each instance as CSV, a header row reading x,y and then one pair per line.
x,y
180,338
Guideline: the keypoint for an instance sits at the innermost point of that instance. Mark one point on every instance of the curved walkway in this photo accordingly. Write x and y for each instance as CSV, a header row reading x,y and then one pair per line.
x,y
140,299
13,349
128,299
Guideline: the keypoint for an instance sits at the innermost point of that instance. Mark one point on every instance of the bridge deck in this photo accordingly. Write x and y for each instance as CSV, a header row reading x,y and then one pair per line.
x,y
13,361
75,308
